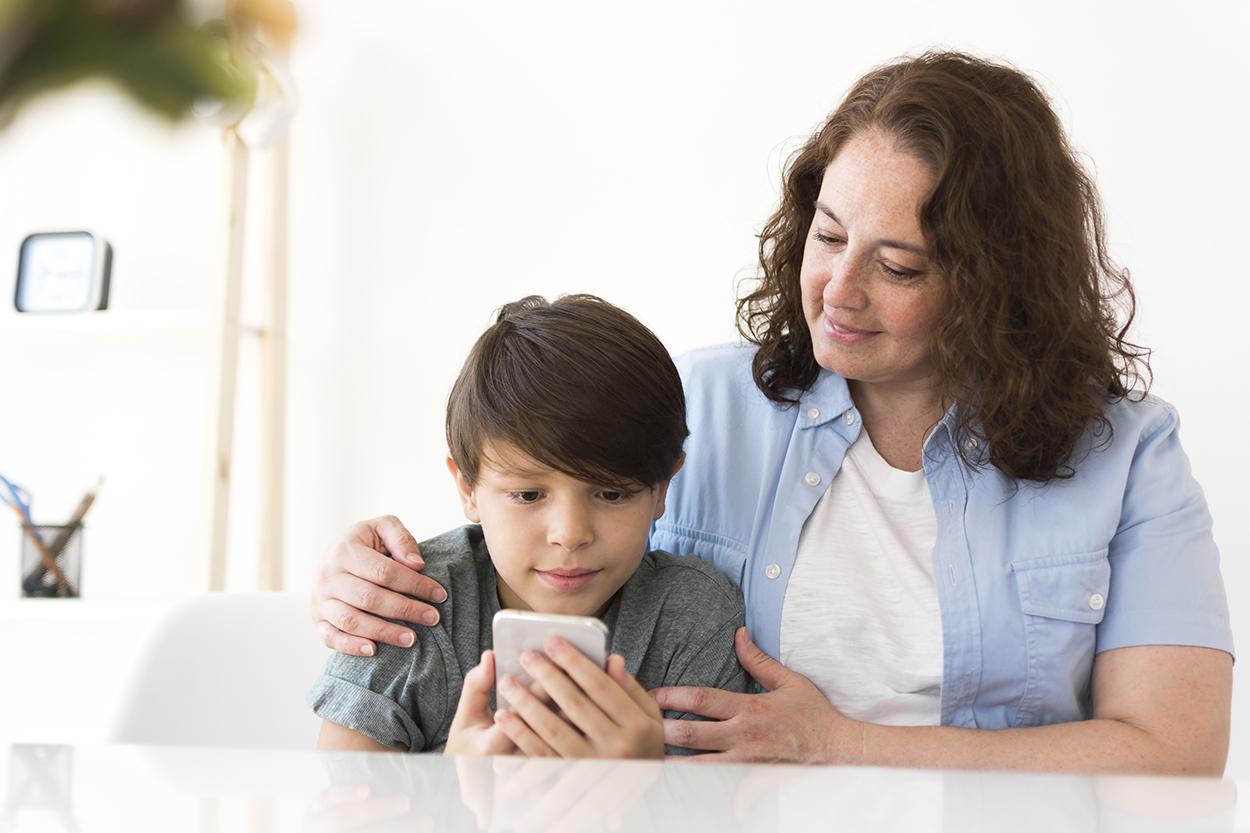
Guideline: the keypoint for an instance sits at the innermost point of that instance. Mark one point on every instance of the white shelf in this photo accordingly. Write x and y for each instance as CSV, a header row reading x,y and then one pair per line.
x,y
103,321
19,611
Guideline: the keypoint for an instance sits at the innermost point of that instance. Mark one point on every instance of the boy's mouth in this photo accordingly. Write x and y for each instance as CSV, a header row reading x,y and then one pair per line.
x,y
568,579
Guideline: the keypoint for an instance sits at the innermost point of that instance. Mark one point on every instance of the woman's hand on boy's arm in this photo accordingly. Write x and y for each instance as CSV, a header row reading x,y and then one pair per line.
x,y
363,578
603,715
473,729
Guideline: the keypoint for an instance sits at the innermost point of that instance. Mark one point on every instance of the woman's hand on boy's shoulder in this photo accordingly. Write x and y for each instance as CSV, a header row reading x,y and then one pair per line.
x,y
370,574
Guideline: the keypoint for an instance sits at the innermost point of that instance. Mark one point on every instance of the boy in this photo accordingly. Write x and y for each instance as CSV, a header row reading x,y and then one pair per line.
x,y
564,428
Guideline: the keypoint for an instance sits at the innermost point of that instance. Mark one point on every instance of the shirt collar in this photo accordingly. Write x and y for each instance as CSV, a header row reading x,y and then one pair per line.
x,y
827,399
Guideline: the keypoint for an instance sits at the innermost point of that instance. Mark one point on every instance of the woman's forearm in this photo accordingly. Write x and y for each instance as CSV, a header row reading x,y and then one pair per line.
x,y
1085,746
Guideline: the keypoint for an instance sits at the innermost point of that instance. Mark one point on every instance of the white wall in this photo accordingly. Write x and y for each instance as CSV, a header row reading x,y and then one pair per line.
x,y
450,157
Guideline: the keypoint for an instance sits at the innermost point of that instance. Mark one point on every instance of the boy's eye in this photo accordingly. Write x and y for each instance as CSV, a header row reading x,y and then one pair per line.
x,y
526,496
615,495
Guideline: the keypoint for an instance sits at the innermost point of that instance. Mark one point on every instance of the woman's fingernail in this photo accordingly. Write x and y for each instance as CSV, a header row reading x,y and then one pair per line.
x,y
529,658
507,684
367,650
430,617
408,638
440,595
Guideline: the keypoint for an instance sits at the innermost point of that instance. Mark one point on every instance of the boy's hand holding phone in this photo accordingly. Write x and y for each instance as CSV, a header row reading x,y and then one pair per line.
x,y
473,731
603,714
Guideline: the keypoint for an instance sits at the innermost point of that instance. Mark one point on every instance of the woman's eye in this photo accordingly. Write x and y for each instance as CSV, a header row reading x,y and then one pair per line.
x,y
899,274
526,496
614,496
827,239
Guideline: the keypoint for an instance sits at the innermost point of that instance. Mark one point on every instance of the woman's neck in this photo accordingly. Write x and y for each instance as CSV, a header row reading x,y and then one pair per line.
x,y
897,418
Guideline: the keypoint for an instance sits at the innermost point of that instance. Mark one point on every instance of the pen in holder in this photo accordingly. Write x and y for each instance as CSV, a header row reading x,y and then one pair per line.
x,y
51,561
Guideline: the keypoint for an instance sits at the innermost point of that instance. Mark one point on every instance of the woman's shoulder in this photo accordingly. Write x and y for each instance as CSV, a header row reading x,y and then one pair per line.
x,y
716,366
1141,415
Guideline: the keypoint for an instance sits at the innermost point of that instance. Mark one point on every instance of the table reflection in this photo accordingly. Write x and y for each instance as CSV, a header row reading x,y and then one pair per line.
x,y
136,788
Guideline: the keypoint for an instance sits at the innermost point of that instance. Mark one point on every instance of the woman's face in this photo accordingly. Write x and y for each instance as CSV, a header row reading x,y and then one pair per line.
x,y
870,295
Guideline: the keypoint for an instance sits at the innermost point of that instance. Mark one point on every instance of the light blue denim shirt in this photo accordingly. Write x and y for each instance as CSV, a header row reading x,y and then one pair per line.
x,y
1032,581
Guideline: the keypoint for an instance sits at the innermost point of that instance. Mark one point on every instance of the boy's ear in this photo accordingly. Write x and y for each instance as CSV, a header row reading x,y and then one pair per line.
x,y
468,501
662,488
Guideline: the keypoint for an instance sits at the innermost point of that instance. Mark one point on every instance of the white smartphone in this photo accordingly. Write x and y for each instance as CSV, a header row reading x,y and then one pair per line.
x,y
516,631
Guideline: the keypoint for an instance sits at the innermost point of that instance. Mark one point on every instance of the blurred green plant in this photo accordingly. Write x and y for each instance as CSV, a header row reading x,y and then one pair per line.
x,y
155,50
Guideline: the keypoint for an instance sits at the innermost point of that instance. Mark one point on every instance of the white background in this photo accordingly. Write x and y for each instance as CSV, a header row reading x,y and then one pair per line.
x,y
450,157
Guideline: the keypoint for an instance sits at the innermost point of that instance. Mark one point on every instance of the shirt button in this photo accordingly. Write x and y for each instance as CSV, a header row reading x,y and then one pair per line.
x,y
772,571
811,478
849,417
813,413
971,444
1096,601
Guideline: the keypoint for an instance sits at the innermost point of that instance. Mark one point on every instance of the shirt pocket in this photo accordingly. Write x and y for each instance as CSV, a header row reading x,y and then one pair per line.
x,y
1063,598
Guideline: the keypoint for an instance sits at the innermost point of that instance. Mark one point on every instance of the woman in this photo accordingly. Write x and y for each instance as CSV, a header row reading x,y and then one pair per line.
x,y
964,530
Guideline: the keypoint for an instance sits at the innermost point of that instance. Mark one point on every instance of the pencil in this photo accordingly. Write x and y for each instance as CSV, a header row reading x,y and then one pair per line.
x,y
49,563
71,526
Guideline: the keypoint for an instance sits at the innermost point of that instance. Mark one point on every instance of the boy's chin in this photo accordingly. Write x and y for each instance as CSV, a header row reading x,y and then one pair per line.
x,y
566,604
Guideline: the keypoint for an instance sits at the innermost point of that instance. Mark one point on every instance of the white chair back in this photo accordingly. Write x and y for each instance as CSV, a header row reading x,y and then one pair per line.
x,y
224,669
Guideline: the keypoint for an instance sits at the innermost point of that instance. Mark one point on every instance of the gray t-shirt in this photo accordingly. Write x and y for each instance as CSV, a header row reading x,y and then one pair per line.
x,y
673,622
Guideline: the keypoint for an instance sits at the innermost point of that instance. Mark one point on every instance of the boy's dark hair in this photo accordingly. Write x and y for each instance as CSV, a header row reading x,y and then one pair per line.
x,y
579,385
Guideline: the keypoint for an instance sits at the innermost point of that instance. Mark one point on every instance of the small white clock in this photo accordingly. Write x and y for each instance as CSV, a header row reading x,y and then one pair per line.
x,y
63,271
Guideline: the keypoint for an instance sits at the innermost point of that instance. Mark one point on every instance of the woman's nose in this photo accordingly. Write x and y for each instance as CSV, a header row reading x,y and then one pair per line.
x,y
844,289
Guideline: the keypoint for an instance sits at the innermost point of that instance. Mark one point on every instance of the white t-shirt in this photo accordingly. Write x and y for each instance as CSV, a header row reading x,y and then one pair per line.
x,y
861,617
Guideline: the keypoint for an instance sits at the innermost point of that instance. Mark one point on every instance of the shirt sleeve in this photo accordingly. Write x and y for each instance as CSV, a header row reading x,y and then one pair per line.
x,y
1165,574
398,697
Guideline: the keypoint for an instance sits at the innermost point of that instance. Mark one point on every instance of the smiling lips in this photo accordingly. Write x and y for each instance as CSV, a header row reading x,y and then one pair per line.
x,y
844,334
568,579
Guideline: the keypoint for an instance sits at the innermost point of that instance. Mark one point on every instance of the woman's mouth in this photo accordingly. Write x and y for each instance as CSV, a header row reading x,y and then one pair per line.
x,y
845,334
567,580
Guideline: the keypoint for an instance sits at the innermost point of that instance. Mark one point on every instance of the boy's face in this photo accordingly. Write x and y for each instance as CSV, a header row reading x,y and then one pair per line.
x,y
559,545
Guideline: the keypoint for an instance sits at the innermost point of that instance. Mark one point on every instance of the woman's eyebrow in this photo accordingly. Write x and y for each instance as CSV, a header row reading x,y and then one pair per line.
x,y
889,244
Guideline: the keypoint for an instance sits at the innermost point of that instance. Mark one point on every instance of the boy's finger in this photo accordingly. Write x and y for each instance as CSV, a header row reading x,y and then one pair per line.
x,y
522,736
555,732
638,694
498,742
579,708
474,705
601,689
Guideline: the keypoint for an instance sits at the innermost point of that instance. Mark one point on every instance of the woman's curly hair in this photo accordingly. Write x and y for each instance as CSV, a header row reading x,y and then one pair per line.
x,y
1032,345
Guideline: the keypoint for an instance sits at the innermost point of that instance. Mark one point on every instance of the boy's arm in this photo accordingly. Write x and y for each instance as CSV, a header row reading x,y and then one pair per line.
x,y
338,738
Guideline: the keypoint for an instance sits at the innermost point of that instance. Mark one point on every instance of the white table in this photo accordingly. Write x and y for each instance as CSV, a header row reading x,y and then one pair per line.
x,y
135,789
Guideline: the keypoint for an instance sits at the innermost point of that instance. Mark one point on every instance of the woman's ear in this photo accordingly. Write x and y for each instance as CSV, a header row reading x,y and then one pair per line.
x,y
468,500
662,488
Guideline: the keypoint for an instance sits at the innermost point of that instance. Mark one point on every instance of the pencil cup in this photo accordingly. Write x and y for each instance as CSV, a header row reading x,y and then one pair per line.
x,y
64,545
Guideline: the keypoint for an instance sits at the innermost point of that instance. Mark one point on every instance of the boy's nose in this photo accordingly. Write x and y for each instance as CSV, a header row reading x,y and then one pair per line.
x,y
570,529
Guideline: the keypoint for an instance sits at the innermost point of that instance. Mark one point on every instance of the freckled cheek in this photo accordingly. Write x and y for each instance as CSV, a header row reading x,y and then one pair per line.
x,y
811,288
